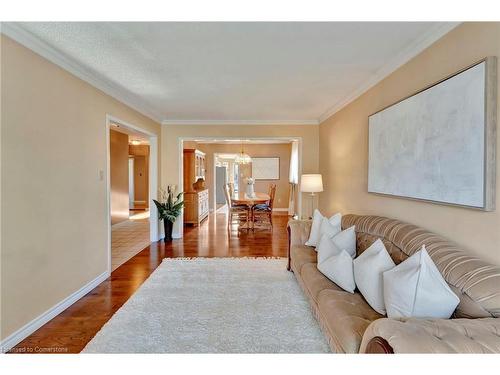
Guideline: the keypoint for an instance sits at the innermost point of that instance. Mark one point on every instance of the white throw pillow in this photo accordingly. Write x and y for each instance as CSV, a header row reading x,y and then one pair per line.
x,y
346,240
415,288
335,264
327,228
368,274
315,236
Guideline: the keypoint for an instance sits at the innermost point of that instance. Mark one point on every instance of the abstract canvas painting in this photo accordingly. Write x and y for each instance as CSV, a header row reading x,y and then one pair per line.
x,y
434,145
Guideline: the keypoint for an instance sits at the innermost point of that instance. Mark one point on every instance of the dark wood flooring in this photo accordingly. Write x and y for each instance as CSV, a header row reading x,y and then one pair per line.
x,y
71,330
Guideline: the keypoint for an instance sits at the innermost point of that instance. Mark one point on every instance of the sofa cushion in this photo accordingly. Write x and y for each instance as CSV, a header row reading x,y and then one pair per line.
x,y
346,317
301,255
315,281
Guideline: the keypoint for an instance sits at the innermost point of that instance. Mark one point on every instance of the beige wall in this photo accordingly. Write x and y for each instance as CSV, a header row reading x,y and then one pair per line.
x,y
344,145
170,135
141,179
140,153
118,161
261,150
54,212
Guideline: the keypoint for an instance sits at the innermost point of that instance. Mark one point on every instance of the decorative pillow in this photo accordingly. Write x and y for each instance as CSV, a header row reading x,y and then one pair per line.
x,y
346,240
335,264
327,228
368,270
315,236
415,288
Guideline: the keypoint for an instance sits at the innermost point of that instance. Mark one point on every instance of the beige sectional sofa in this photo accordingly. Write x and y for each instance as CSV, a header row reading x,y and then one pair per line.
x,y
352,326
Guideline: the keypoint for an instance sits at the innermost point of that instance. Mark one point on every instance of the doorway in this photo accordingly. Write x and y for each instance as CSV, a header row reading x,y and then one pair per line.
x,y
226,172
132,173
220,181
240,171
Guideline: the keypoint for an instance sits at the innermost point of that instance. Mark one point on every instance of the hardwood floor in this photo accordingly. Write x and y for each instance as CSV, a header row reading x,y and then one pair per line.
x,y
71,330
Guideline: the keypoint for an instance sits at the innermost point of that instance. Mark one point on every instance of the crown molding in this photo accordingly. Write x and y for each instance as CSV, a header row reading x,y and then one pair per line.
x,y
240,122
37,45
402,58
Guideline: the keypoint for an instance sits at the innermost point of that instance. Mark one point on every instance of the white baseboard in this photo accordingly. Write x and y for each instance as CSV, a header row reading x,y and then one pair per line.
x,y
280,209
18,336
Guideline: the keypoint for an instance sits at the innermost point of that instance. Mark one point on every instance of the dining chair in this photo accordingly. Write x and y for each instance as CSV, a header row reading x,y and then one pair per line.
x,y
265,210
238,212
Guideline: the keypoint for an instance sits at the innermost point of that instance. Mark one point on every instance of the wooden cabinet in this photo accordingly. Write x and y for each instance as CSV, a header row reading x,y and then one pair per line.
x,y
195,202
195,206
194,167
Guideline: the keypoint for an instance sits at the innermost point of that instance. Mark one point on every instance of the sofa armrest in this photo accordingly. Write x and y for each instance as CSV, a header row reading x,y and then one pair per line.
x,y
432,336
298,234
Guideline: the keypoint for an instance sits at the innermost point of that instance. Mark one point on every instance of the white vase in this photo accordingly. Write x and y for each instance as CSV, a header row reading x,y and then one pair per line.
x,y
250,191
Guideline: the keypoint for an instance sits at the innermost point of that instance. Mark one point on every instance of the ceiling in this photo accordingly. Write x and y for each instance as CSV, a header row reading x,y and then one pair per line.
x,y
215,72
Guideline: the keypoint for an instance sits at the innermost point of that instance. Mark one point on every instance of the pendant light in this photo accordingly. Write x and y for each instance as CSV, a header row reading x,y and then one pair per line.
x,y
242,158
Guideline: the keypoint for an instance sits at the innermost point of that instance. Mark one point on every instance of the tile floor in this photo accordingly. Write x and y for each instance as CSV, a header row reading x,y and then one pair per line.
x,y
128,238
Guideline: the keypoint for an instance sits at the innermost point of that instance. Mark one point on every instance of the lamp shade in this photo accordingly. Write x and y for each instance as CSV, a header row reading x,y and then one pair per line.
x,y
311,183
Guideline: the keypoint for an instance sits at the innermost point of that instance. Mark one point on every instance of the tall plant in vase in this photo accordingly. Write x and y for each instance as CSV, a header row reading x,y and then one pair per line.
x,y
169,209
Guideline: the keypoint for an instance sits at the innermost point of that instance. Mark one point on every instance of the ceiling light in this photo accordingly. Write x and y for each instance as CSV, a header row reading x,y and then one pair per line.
x,y
135,142
242,158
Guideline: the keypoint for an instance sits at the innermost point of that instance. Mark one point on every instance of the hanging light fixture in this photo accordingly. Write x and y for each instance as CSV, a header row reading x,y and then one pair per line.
x,y
242,158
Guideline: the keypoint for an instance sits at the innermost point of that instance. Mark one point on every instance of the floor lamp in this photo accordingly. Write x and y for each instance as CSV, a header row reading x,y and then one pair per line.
x,y
311,183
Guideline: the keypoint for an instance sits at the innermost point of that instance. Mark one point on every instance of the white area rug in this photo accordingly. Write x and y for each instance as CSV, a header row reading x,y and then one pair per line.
x,y
217,305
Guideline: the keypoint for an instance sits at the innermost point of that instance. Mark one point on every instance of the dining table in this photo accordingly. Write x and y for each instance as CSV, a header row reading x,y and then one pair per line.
x,y
241,198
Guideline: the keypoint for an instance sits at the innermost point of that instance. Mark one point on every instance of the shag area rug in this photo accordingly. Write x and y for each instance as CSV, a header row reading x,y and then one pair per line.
x,y
214,305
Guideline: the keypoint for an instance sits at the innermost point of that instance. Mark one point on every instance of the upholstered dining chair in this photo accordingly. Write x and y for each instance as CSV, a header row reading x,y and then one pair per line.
x,y
235,212
265,211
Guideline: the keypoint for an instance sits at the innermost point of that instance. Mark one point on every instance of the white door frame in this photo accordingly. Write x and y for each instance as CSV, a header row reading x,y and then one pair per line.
x,y
153,179
180,145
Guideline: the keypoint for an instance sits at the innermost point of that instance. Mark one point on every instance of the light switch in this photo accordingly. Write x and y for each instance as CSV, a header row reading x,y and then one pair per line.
x,y
100,175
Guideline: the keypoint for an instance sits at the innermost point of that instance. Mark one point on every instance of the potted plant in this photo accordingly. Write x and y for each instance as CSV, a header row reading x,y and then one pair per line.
x,y
169,209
